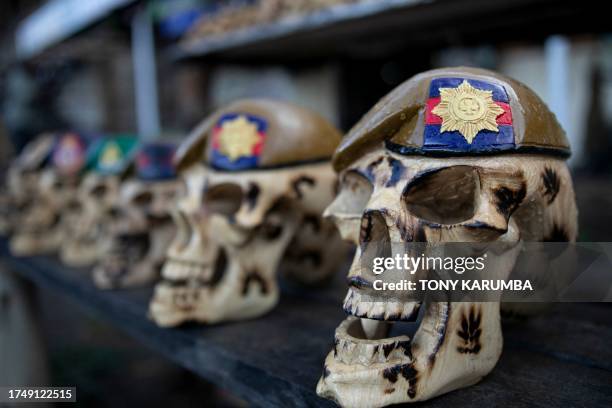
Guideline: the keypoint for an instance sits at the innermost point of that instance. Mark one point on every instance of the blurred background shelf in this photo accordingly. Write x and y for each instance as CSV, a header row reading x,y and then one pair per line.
x,y
380,28
150,68
57,21
560,359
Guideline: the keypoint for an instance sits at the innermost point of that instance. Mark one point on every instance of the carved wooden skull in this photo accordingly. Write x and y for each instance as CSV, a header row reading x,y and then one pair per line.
x,y
258,178
98,192
42,226
140,226
428,164
22,182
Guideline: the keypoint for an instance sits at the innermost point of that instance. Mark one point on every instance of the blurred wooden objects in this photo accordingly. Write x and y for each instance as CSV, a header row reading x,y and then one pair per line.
x,y
234,18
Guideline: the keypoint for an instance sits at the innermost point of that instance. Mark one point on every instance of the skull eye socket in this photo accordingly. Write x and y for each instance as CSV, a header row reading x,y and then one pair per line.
x,y
99,191
223,199
443,196
73,206
272,228
354,194
143,199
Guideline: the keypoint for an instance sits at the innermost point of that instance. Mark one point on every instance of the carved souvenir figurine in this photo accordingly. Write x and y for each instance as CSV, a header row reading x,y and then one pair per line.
x,y
87,236
41,228
22,181
451,155
258,177
140,226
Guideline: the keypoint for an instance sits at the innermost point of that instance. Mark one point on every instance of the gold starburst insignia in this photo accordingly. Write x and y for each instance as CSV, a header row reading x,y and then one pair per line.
x,y
467,110
237,137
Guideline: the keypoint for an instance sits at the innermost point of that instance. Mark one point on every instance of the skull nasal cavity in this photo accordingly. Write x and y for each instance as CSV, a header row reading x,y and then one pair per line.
x,y
443,196
183,233
374,235
114,212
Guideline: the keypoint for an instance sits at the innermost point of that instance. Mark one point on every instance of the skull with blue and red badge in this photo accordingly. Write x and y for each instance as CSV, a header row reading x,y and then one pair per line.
x,y
454,155
43,223
258,177
139,224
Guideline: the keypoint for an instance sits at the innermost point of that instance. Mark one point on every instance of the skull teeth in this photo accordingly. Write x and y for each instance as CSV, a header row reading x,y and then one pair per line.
x,y
356,304
349,349
183,270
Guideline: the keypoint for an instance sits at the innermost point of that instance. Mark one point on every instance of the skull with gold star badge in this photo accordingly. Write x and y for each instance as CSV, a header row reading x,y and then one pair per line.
x,y
455,155
258,177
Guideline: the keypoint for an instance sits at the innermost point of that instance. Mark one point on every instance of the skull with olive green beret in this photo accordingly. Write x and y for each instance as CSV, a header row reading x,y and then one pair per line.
x,y
454,155
258,176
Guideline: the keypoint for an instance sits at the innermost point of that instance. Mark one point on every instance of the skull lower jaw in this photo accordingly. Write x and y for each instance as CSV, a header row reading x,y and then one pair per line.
x,y
235,296
78,254
131,275
38,234
125,264
378,371
36,243
174,305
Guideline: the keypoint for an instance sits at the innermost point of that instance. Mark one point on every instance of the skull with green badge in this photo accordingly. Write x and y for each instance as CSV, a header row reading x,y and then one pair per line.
x,y
87,236
140,227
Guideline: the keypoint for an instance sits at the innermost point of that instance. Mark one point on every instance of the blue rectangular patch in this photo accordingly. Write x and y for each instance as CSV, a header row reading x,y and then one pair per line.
x,y
499,93
221,161
454,141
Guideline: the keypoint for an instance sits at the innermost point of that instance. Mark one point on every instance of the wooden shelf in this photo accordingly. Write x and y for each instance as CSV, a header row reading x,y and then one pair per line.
x,y
560,359
380,28
42,29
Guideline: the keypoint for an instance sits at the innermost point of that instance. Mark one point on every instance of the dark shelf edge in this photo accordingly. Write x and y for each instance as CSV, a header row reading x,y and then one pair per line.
x,y
205,359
